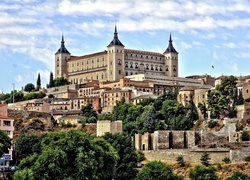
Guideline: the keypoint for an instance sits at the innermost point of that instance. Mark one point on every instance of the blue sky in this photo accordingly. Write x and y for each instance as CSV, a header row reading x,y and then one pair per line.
x,y
204,32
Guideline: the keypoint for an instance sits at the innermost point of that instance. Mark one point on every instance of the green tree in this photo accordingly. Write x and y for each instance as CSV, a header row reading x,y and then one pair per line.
x,y
216,103
38,82
5,142
203,109
28,144
25,174
229,93
203,173
125,168
29,87
158,171
149,121
191,111
180,160
89,112
238,175
205,157
61,81
72,155
51,81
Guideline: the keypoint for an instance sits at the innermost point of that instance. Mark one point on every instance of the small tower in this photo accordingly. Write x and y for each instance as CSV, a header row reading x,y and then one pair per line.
x,y
171,60
61,58
115,70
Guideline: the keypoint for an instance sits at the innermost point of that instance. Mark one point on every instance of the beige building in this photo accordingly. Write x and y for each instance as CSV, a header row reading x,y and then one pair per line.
x,y
114,63
108,126
7,125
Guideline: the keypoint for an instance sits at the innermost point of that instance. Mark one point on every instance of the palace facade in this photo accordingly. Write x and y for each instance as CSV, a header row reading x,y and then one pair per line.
x,y
115,63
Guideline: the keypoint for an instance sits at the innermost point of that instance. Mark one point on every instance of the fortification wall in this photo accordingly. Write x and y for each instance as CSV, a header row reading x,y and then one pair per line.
x,y
170,155
239,155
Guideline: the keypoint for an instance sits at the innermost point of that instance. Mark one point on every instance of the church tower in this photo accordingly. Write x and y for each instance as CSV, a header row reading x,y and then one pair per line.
x,y
115,59
61,58
171,60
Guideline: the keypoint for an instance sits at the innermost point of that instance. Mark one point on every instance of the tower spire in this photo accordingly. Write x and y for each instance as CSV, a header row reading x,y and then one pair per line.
x,y
170,46
115,40
62,49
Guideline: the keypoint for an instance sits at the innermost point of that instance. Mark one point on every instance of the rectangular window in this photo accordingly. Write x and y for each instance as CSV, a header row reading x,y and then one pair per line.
x,y
6,123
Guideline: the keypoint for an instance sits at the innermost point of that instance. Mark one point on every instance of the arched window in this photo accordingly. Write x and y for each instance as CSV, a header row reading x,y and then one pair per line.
x,y
126,73
131,65
174,68
126,64
166,68
119,62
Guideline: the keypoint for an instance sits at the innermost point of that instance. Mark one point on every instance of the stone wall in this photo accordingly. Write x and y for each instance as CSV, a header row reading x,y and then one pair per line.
x,y
239,155
213,138
170,155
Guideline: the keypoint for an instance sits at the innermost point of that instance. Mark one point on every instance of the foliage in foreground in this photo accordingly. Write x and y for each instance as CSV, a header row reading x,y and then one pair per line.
x,y
238,175
203,173
122,143
158,171
5,142
70,155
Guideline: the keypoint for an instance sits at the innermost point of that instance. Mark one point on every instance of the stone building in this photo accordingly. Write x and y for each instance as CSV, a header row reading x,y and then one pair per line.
x,y
108,126
115,63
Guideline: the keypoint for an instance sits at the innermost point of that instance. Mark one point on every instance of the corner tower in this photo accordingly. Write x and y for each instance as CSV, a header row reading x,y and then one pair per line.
x,y
61,58
171,60
115,58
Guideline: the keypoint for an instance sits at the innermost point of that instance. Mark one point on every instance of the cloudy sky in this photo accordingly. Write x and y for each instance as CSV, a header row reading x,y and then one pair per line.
x,y
206,33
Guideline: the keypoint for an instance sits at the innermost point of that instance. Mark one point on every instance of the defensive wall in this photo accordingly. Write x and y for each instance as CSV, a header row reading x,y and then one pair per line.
x,y
167,145
189,156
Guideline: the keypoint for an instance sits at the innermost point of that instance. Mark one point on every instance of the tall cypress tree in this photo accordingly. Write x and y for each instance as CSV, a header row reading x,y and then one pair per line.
x,y
38,82
51,80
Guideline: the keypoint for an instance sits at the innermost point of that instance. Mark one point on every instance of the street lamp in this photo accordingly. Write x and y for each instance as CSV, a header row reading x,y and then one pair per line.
x,y
13,96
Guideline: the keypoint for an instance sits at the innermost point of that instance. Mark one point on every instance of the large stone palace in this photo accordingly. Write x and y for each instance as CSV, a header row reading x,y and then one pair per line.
x,y
115,63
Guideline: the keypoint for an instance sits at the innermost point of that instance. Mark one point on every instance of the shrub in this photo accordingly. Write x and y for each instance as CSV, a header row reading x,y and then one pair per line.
x,y
180,160
36,120
212,123
226,160
238,175
247,159
202,172
140,156
68,124
205,159
219,166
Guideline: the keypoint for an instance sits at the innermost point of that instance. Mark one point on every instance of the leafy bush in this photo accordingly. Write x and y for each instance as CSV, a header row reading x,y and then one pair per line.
x,y
180,160
238,175
219,166
202,172
212,123
140,156
226,160
36,120
247,159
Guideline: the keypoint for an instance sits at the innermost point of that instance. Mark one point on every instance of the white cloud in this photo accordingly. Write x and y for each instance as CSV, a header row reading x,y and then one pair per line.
x,y
19,78
229,45
215,56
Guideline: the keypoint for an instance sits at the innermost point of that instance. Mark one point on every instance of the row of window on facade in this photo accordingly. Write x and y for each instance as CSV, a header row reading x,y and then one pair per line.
x,y
151,67
88,61
150,57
